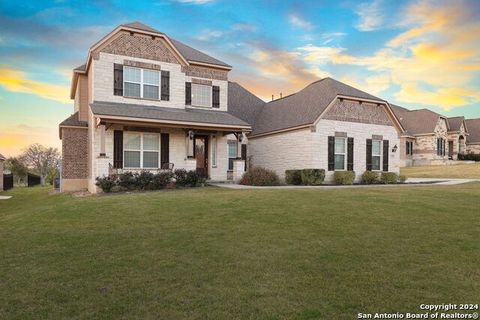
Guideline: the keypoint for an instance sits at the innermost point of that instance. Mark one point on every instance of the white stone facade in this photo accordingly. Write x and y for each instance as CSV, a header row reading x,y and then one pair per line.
x,y
103,83
303,149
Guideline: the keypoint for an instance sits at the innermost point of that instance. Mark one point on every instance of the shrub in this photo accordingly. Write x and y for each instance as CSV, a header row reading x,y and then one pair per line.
x,y
193,179
402,178
127,181
180,177
259,176
105,183
161,179
344,177
370,177
292,177
143,181
389,177
469,156
312,177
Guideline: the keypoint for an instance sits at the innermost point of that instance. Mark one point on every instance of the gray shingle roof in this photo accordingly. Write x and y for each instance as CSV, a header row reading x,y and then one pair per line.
x,y
83,67
473,127
162,113
455,123
191,54
421,121
305,106
73,121
243,104
2,158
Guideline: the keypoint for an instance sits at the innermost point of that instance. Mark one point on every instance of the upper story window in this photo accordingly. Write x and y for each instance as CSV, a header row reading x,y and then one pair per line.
x,y
376,154
201,95
141,83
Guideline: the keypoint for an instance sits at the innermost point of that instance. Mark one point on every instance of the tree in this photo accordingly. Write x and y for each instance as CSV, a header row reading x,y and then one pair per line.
x,y
41,160
17,168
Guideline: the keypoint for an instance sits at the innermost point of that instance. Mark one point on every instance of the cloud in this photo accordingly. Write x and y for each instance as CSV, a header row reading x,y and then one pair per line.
x,y
194,1
299,22
14,139
436,55
371,16
244,27
17,81
319,54
375,84
208,35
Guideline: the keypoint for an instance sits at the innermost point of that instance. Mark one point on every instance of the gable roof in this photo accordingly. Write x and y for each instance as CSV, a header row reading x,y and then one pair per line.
x,y
473,126
2,158
304,107
416,122
243,104
455,123
73,121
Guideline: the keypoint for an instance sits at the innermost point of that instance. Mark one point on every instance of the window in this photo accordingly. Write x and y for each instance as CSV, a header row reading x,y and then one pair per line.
x,y
141,150
440,147
201,95
409,148
141,83
340,153
376,154
232,153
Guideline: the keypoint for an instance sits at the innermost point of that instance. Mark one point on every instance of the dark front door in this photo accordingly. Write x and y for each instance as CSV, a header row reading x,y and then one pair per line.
x,y
201,154
450,149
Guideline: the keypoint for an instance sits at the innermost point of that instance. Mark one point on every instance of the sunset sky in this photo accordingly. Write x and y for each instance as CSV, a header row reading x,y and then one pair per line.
x,y
418,54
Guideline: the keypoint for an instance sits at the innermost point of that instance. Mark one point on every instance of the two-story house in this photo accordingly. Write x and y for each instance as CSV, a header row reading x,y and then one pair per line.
x,y
145,101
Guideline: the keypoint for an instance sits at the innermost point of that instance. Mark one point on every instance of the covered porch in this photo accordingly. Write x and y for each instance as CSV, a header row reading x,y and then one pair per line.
x,y
124,143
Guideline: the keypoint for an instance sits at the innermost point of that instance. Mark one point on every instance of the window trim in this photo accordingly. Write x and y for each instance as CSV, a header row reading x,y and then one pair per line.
x,y
142,150
210,91
142,83
233,143
344,154
380,155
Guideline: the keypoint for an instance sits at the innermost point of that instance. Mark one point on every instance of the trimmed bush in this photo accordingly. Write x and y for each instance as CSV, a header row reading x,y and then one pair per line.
x,y
312,177
293,177
193,179
180,177
344,177
127,180
144,180
389,177
105,183
402,178
259,176
162,179
370,177
469,156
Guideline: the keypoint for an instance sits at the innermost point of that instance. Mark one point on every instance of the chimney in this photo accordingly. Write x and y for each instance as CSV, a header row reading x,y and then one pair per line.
x,y
280,95
272,97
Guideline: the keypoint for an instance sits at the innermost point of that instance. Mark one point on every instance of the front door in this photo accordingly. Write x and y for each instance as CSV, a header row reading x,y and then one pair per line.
x,y
201,154
450,149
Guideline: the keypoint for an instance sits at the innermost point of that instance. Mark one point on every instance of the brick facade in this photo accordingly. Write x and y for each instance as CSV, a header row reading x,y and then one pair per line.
x,y
74,153
354,111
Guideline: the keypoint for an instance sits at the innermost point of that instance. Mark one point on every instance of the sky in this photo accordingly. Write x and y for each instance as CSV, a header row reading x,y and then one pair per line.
x,y
417,54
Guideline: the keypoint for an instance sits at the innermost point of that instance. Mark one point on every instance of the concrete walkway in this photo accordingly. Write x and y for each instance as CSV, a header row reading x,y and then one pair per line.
x,y
5,197
411,182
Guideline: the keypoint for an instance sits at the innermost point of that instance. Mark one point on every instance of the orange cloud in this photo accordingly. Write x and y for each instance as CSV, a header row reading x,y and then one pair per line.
x,y
14,139
17,81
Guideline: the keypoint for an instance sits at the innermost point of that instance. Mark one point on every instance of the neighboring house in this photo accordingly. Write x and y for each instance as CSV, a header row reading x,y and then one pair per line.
x,y
146,101
327,125
2,160
473,139
430,138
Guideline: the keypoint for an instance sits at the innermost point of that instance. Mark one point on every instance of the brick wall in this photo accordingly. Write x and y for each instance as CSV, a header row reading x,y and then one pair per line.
x,y
1,175
74,153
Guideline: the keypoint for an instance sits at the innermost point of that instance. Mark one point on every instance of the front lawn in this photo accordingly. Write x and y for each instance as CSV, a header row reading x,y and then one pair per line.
x,y
213,253
462,171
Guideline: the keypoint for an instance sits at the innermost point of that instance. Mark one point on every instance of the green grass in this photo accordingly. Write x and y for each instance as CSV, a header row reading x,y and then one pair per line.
x,y
214,253
461,171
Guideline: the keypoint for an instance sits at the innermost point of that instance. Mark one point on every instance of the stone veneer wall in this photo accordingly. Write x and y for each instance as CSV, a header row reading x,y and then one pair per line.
x,y
302,149
1,174
74,153
354,111
473,148
425,146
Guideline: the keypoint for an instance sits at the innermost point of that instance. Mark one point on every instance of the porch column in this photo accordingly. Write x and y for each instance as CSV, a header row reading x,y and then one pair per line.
x,y
239,144
102,140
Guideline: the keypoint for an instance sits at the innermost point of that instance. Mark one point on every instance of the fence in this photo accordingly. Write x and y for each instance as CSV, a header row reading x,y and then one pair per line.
x,y
33,180
7,181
